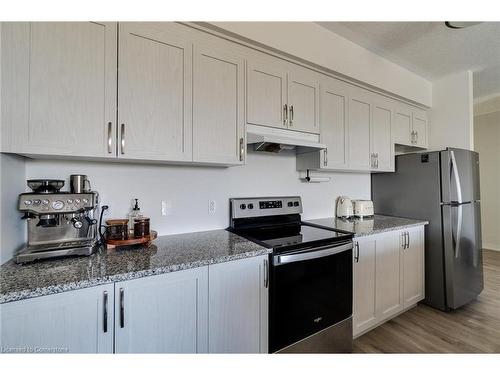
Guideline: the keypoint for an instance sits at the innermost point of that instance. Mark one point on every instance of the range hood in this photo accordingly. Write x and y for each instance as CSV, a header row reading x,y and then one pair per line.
x,y
276,140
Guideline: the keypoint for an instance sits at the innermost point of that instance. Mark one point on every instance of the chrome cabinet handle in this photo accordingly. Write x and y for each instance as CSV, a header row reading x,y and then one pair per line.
x,y
408,245
122,137
403,234
356,257
291,115
242,149
266,273
325,157
285,114
416,137
110,139
105,312
122,308
376,160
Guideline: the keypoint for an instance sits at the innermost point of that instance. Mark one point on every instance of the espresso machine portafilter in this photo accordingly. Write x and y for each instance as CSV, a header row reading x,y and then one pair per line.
x,y
58,223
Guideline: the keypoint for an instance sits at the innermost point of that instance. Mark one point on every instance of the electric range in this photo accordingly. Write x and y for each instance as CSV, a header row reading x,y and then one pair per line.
x,y
310,275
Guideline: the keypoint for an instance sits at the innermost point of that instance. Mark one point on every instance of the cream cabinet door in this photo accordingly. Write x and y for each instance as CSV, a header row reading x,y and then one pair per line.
x,y
402,125
238,306
154,93
59,87
420,125
414,273
218,105
364,297
266,94
162,314
360,118
382,145
79,321
389,275
303,100
334,123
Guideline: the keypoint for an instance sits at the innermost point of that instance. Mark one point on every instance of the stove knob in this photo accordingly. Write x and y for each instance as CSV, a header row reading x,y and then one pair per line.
x,y
296,204
243,206
290,204
37,202
250,206
57,205
27,202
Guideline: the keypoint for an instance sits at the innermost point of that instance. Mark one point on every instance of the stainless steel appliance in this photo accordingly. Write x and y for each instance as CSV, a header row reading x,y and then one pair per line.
x,y
59,223
443,188
310,275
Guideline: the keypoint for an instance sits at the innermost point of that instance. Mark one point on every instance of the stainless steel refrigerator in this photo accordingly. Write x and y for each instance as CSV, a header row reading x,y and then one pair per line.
x,y
443,188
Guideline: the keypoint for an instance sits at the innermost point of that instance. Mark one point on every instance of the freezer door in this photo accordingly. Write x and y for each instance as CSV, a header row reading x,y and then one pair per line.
x,y
459,175
462,253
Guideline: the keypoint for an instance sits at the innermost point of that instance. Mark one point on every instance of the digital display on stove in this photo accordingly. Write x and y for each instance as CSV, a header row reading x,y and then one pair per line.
x,y
270,204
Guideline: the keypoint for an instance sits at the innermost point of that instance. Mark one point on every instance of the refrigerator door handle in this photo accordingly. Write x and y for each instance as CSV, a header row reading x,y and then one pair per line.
x,y
459,231
454,167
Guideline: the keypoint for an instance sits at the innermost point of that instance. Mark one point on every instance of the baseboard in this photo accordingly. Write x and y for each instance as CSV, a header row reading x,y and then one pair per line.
x,y
488,246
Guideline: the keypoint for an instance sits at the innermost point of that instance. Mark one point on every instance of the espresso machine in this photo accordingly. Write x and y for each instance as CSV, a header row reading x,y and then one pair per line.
x,y
59,223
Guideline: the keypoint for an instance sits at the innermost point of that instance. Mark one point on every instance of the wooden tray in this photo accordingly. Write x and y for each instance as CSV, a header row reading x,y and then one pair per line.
x,y
111,244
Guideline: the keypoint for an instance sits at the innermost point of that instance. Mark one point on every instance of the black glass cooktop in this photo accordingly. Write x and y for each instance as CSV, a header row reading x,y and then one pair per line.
x,y
292,236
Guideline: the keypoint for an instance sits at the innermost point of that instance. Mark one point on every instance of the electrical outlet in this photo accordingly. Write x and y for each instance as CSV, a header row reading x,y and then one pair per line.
x,y
166,208
211,206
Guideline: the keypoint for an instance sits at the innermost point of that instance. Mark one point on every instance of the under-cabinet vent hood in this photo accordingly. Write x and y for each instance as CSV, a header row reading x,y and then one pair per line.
x,y
275,140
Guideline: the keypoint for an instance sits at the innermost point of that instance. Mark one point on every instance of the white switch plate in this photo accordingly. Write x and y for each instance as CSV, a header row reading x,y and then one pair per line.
x,y
166,208
211,206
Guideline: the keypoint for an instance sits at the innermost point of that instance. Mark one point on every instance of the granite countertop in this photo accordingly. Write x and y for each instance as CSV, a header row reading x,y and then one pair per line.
x,y
166,254
368,226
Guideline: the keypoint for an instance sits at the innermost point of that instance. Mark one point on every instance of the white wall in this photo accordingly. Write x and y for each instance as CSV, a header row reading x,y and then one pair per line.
x,y
190,188
12,228
312,42
487,143
451,116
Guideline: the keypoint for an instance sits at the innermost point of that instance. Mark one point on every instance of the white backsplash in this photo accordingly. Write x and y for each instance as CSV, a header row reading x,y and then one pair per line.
x,y
190,188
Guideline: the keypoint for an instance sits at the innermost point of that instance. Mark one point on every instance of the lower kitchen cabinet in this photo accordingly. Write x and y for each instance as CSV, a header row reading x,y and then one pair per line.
x,y
162,314
364,309
238,306
79,321
413,268
388,272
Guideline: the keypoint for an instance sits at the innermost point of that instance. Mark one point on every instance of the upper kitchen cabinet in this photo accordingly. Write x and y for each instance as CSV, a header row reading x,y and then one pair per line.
x,y
303,100
410,126
59,88
360,119
382,145
282,95
218,104
154,92
266,93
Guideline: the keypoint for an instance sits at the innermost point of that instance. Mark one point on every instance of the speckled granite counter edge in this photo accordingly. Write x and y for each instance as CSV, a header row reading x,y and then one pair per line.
x,y
398,227
54,289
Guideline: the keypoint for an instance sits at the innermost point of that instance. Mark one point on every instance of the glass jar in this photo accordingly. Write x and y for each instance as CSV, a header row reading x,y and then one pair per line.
x,y
117,229
141,227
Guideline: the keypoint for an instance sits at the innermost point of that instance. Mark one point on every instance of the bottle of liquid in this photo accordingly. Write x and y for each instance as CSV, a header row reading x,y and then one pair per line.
x,y
134,213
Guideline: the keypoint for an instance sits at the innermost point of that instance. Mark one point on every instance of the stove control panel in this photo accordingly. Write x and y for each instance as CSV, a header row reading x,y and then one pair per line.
x,y
255,207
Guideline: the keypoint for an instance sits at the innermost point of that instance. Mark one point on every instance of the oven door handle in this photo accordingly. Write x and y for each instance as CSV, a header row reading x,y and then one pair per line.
x,y
319,252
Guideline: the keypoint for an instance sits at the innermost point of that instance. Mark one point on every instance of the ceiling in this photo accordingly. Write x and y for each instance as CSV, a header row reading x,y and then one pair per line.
x,y
432,50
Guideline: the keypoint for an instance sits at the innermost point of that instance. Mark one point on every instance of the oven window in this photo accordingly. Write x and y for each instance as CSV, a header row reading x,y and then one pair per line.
x,y
308,296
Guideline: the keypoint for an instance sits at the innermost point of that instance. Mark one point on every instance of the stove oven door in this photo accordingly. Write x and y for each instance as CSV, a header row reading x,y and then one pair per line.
x,y
311,300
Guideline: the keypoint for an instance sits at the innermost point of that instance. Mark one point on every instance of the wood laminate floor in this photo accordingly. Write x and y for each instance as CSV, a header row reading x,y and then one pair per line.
x,y
474,328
